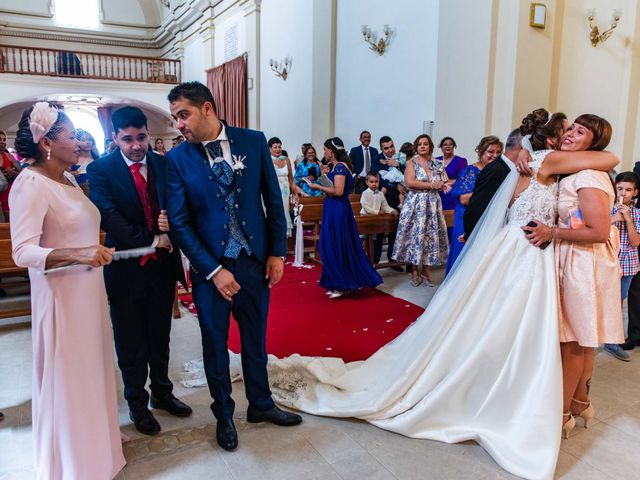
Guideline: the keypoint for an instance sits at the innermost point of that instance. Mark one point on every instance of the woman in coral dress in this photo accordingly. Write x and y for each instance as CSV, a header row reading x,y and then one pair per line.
x,y
75,418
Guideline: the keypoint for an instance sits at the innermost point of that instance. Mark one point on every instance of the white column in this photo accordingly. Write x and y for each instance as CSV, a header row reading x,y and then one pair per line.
x,y
323,61
251,10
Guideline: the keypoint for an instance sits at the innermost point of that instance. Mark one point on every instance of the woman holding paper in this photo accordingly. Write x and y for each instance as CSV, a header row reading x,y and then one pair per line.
x,y
345,267
75,418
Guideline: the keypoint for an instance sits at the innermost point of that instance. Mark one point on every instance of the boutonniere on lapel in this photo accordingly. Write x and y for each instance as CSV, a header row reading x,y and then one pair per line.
x,y
238,163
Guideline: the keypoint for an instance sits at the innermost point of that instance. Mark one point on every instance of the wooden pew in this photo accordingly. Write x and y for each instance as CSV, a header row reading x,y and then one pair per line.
x,y
19,278
368,225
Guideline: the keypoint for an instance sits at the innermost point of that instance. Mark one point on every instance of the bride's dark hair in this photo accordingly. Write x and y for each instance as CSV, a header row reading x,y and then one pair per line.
x,y
541,127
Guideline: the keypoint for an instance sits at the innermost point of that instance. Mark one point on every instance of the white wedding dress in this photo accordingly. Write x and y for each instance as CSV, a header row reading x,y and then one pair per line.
x,y
482,363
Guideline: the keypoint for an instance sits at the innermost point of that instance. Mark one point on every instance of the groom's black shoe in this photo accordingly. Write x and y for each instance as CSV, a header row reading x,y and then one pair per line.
x,y
274,415
145,422
172,405
226,434
629,345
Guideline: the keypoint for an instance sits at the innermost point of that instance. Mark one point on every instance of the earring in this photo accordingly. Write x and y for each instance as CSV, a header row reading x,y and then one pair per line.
x,y
48,155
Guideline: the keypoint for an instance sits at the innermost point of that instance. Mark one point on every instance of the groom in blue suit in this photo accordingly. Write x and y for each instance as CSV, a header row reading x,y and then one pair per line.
x,y
226,214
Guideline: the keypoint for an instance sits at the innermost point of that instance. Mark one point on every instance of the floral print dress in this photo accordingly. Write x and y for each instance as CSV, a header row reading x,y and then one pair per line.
x,y
422,231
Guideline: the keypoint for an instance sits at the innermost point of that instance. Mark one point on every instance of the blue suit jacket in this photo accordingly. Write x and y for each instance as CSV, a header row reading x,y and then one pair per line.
x,y
357,158
198,213
112,190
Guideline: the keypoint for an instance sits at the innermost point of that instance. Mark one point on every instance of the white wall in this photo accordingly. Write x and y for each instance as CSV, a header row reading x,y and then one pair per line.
x,y
285,105
597,80
127,12
463,73
226,24
390,94
39,7
193,67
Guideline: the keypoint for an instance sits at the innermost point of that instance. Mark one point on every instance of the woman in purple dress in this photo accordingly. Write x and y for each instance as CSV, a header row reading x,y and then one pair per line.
x,y
453,165
345,266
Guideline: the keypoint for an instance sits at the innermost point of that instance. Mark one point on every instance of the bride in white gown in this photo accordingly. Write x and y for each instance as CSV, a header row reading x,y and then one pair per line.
x,y
482,363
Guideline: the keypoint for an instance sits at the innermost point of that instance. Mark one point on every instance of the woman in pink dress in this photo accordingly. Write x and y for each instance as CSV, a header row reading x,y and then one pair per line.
x,y
586,251
75,419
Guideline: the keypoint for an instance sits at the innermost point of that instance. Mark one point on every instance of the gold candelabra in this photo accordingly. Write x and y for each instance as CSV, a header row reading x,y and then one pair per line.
x,y
371,37
595,35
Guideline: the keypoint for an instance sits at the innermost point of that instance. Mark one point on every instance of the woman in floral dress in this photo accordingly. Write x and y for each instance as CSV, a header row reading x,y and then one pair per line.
x,y
422,232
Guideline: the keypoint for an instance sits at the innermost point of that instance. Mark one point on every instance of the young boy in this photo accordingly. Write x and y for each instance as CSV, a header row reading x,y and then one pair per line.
x,y
374,203
626,217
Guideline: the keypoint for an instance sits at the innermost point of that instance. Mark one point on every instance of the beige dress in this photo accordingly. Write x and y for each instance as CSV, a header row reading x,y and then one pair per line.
x,y
588,273
75,413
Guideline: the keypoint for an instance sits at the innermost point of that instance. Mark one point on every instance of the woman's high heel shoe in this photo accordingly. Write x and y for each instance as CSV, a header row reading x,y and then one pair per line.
x,y
569,425
587,413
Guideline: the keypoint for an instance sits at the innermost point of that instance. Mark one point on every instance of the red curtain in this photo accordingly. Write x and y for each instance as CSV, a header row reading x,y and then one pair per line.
x,y
104,116
228,84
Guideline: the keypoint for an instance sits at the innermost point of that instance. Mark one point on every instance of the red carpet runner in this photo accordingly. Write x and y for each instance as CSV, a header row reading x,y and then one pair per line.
x,y
302,319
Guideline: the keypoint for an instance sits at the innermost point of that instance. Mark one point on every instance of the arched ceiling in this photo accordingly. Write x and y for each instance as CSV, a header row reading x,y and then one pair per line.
x,y
160,122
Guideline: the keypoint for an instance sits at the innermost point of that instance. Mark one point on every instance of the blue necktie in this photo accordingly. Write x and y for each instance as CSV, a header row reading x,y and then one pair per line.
x,y
221,169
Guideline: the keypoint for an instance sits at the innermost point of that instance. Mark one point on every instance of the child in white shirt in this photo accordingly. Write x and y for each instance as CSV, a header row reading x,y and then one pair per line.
x,y
372,199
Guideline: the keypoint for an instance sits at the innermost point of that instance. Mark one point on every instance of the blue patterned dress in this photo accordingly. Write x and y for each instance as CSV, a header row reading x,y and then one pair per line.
x,y
345,266
306,169
422,230
464,184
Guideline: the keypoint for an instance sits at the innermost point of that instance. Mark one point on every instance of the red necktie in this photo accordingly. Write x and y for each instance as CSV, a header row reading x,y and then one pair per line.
x,y
141,186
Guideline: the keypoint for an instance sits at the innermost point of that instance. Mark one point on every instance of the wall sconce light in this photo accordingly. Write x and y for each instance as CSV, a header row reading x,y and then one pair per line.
x,y
282,68
595,35
378,46
538,15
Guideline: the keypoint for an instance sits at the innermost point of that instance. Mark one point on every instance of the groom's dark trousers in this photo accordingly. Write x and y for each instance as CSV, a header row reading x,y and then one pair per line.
x,y
249,308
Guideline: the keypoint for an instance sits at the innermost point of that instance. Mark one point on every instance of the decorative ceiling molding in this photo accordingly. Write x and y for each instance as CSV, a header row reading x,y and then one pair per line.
x,y
183,16
5,11
90,40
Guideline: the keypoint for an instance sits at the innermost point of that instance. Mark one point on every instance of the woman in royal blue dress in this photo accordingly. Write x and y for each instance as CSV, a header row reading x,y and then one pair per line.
x,y
488,150
345,266
308,168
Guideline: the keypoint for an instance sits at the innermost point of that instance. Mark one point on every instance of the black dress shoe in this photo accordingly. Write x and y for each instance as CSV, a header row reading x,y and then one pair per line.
x,y
629,345
397,268
172,405
226,434
145,422
274,415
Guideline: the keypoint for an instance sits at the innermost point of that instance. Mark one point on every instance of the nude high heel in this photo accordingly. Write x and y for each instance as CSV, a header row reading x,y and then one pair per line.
x,y
568,426
587,414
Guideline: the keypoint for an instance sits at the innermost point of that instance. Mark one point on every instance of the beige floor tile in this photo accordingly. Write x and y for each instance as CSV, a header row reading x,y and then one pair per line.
x,y
271,452
197,463
607,449
331,441
571,468
362,466
627,421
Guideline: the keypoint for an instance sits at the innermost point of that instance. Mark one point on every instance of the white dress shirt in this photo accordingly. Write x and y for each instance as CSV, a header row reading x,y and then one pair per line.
x,y
373,203
224,143
143,172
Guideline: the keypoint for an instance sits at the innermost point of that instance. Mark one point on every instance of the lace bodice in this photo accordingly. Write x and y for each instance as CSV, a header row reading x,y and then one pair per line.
x,y
537,201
